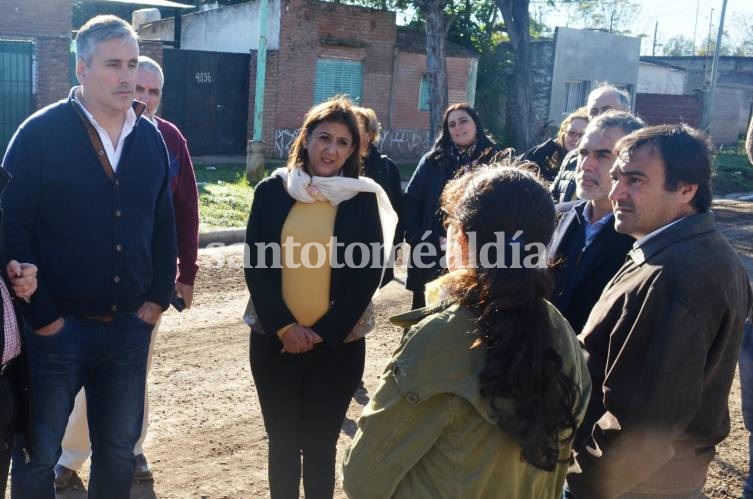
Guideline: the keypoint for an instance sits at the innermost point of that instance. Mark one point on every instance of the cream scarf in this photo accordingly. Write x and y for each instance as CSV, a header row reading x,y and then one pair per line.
x,y
307,189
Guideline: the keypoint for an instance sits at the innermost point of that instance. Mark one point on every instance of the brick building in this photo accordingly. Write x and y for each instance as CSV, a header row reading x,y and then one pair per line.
x,y
35,37
315,50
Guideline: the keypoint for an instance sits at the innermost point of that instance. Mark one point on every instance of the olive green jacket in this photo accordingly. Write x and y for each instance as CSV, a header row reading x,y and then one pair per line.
x,y
427,432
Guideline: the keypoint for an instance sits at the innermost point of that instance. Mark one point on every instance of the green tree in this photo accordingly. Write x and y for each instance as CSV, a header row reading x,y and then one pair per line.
x,y
678,46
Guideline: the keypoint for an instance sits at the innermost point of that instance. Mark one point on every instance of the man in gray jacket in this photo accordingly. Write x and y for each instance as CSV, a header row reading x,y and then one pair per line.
x,y
663,340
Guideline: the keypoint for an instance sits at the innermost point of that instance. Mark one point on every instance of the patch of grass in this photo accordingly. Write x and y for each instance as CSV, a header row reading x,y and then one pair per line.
x,y
733,173
224,194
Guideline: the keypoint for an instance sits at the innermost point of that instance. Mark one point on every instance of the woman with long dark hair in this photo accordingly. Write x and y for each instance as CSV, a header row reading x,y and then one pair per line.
x,y
310,298
484,395
461,146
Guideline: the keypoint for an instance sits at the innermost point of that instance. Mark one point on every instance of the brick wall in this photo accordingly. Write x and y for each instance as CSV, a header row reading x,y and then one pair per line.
x,y
47,23
659,109
409,70
304,23
154,50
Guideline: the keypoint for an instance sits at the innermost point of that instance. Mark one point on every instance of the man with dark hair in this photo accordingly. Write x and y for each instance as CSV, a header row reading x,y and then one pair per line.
x,y
90,205
663,339
603,98
586,250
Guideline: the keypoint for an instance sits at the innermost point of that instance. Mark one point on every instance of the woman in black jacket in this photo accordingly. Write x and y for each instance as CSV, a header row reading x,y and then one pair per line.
x,y
381,169
550,153
311,274
460,147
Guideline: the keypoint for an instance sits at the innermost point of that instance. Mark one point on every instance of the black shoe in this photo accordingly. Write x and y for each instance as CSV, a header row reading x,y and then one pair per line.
x,y
63,477
142,472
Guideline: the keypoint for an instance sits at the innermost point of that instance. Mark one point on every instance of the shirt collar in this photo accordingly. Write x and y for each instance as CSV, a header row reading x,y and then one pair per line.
x,y
130,117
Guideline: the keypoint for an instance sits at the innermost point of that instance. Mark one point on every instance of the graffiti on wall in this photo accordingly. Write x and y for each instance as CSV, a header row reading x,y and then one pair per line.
x,y
284,138
405,143
397,143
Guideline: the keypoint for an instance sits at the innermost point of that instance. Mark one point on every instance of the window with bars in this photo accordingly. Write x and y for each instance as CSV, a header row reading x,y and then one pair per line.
x,y
334,76
576,93
16,87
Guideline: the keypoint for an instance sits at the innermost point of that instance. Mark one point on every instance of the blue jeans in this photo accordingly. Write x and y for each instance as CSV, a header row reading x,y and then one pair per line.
x,y
109,360
746,392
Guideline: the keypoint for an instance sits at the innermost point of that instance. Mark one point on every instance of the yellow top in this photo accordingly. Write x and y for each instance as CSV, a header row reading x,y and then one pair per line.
x,y
306,268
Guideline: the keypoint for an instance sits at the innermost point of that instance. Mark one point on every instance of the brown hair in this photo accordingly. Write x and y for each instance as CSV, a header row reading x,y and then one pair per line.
x,y
339,109
579,114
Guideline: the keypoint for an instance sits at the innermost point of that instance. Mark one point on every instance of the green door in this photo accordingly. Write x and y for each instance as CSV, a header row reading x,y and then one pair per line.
x,y
15,87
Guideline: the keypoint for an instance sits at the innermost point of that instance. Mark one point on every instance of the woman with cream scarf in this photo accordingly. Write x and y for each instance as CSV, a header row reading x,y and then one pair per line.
x,y
316,238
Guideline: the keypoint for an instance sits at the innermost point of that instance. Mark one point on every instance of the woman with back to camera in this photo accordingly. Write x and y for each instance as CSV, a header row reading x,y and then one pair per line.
x,y
310,298
484,394
549,154
460,147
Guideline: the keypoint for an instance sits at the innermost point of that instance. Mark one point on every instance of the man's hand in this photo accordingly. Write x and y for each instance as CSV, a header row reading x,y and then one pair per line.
x,y
184,291
52,328
23,279
149,312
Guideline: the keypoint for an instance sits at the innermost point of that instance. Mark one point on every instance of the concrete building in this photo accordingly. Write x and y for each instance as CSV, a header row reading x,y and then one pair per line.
x,y
309,59
582,59
734,98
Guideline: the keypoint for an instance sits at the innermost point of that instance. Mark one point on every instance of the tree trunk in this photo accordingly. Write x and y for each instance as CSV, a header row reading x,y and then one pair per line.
x,y
437,25
516,17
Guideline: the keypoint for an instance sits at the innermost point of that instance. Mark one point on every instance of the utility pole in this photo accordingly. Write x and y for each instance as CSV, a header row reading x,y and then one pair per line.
x,y
695,26
708,38
255,147
656,29
708,108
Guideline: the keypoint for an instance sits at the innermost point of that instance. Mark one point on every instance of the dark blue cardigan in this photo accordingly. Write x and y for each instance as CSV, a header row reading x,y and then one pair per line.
x,y
103,244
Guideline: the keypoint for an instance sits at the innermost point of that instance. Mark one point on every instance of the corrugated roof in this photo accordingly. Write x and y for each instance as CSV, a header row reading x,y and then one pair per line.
x,y
152,3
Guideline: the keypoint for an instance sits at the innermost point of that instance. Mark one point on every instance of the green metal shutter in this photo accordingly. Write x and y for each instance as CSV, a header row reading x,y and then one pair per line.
x,y
423,94
15,87
338,77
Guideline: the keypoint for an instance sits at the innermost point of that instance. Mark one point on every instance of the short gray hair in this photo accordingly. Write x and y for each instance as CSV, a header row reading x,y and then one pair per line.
x,y
148,64
99,29
622,96
616,119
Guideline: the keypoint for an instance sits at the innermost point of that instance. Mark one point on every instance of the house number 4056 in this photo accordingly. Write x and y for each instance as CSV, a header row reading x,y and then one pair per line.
x,y
203,77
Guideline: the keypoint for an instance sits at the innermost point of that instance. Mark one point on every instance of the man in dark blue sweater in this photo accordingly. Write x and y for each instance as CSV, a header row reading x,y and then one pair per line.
x,y
90,205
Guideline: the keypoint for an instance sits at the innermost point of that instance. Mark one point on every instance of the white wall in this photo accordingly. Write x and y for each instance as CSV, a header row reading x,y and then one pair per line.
x,y
656,79
233,29
595,56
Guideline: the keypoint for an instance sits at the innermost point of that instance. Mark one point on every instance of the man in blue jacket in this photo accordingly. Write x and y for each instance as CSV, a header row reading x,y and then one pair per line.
x,y
90,205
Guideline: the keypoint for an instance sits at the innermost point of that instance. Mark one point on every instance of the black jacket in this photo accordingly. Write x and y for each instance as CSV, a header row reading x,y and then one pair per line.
x,y
548,156
381,169
351,289
563,185
582,274
421,210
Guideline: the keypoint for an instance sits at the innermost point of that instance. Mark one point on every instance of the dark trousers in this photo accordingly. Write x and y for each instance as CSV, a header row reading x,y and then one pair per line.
x,y
304,398
8,413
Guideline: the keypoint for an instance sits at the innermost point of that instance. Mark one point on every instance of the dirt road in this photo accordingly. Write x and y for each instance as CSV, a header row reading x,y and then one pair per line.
x,y
207,439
